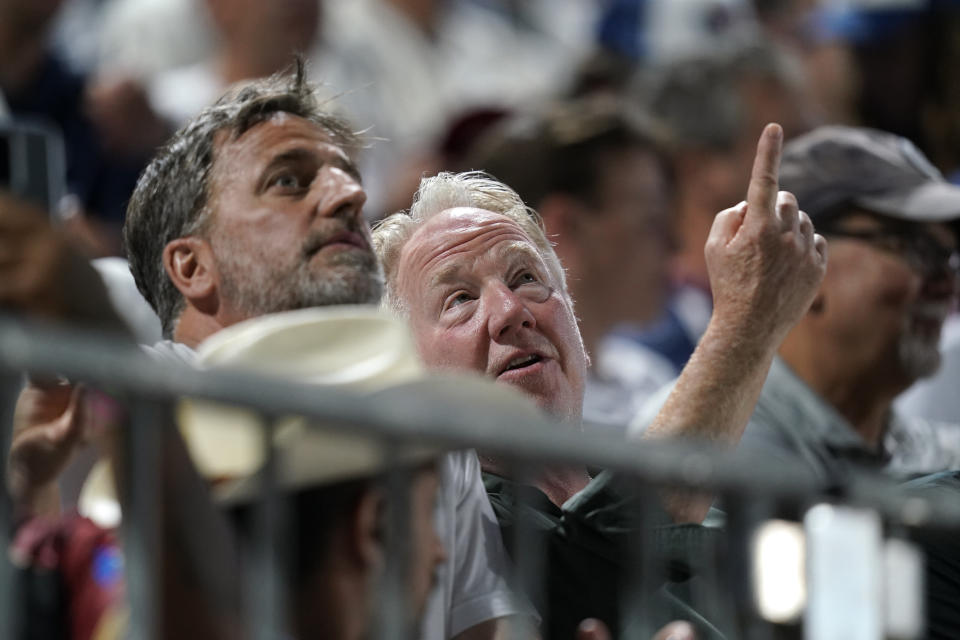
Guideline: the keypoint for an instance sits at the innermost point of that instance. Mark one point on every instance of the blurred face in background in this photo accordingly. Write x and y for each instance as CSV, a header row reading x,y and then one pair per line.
x,y
273,29
625,240
888,289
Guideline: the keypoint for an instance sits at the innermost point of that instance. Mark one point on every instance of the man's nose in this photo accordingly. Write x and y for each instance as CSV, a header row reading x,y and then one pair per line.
x,y
507,311
340,194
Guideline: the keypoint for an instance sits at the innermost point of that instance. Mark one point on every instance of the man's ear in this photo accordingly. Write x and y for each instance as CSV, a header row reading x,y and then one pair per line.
x,y
190,266
367,528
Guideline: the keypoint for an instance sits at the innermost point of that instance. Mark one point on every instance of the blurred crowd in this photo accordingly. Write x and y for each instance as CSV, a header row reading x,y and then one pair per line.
x,y
815,325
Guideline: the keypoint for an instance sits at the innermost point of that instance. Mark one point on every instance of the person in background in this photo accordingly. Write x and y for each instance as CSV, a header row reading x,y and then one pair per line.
x,y
37,84
874,326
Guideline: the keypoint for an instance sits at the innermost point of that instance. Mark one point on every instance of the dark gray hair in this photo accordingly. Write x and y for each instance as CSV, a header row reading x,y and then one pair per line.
x,y
170,200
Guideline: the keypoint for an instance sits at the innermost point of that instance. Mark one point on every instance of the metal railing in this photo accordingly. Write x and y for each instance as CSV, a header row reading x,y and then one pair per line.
x,y
751,488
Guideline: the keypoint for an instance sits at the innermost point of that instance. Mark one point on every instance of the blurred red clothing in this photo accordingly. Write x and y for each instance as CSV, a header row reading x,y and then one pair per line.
x,y
90,567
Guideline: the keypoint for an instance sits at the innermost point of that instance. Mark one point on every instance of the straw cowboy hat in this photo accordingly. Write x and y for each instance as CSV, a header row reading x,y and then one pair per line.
x,y
356,348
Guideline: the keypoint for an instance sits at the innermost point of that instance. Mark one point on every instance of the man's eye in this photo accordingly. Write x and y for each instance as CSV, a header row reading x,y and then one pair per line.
x,y
459,299
529,285
527,278
286,181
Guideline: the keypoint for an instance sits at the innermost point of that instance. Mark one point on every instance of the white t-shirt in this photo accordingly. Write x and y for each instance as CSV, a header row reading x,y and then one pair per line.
x,y
472,583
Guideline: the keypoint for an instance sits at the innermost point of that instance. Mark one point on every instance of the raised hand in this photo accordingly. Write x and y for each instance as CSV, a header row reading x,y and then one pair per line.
x,y
764,259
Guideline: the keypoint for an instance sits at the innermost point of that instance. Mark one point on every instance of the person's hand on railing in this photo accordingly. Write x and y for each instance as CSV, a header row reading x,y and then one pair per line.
x,y
593,629
676,631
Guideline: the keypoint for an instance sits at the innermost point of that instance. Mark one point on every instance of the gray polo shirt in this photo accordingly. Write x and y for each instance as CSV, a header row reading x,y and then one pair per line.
x,y
792,421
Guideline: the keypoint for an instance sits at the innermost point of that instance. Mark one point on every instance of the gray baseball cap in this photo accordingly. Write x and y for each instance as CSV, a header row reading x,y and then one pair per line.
x,y
834,167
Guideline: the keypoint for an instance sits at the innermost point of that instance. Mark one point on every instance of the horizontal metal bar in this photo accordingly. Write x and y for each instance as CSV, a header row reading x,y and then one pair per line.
x,y
107,362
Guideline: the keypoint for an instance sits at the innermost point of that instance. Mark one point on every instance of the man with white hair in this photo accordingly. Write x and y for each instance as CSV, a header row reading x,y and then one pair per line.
x,y
471,269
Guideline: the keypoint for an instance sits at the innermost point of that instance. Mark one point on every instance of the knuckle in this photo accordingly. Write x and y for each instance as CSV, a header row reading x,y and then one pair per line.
x,y
786,199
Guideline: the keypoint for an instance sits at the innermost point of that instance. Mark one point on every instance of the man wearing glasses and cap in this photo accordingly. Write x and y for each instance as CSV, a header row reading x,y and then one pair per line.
x,y
874,327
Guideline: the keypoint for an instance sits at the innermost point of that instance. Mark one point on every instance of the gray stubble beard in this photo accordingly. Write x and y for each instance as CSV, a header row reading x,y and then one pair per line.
x,y
352,277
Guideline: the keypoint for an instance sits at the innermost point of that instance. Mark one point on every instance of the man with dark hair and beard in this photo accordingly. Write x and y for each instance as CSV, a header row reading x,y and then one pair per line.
x,y
874,327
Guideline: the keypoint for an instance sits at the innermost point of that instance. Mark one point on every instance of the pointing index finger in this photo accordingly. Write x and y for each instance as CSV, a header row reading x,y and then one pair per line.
x,y
764,179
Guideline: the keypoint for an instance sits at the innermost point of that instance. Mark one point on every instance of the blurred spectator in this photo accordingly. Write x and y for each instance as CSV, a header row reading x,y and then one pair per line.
x,y
661,31
144,37
408,67
713,108
602,185
37,84
255,39
874,327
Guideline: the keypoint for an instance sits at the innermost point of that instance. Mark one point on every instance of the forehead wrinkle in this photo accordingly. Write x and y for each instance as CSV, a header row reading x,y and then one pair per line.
x,y
509,255
462,239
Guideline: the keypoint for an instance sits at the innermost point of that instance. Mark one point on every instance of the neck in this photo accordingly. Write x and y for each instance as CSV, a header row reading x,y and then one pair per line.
x,y
863,396
194,327
559,482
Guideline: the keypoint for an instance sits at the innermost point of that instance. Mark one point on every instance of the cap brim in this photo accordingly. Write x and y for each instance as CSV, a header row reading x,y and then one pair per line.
x,y
929,202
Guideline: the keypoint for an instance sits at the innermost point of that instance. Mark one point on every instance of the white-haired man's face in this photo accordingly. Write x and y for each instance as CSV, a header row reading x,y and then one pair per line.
x,y
481,298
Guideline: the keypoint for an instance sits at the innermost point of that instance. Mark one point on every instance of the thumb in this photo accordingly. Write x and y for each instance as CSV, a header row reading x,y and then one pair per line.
x,y
592,629
676,631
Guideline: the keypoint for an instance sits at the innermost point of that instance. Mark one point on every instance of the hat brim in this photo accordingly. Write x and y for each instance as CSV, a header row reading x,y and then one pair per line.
x,y
227,446
928,202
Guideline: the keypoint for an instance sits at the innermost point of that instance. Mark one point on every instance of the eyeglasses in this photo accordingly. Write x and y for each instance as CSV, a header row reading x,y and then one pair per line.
x,y
920,249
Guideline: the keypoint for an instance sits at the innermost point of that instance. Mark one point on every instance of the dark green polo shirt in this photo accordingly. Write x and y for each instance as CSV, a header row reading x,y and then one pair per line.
x,y
587,550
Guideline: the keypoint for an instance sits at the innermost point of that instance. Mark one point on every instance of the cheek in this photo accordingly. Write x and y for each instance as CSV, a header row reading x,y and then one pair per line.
x,y
886,287
568,339
441,348
871,293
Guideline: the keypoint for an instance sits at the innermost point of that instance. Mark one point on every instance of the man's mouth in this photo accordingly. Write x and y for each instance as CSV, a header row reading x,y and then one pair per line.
x,y
522,362
348,238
